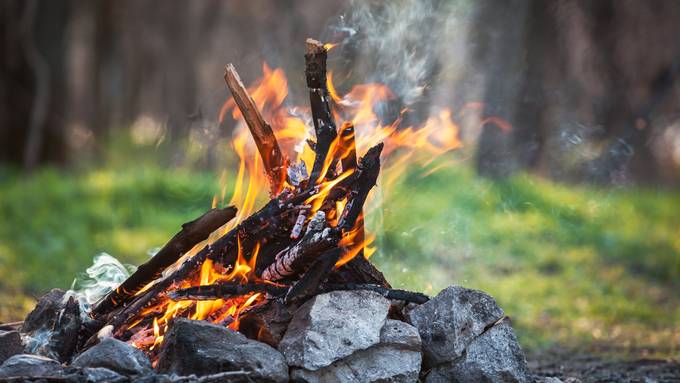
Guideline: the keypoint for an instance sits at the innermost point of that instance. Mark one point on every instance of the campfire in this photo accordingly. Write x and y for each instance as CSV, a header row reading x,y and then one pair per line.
x,y
293,275
308,239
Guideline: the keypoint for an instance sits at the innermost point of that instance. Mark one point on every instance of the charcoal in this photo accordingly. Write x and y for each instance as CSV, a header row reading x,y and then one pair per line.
x,y
494,356
116,356
10,344
332,326
26,365
395,359
203,348
451,320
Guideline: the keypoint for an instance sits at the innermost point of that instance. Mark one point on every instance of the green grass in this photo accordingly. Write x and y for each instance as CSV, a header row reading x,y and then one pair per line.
x,y
569,264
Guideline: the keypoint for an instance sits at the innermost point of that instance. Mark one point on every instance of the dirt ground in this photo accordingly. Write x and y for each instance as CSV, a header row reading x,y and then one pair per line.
x,y
575,367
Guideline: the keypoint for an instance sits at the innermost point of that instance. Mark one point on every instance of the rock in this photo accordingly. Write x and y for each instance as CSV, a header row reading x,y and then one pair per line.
x,y
116,356
45,312
10,344
494,356
27,365
395,359
52,328
100,375
451,320
202,348
332,326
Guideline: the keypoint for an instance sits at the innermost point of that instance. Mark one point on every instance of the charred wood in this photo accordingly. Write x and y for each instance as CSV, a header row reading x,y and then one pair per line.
x,y
225,290
317,273
192,233
324,126
395,294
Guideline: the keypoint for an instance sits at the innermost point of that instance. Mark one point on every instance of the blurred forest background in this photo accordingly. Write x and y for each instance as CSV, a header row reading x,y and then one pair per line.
x,y
109,140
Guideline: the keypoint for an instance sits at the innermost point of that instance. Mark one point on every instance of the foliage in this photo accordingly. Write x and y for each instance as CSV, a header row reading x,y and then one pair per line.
x,y
569,264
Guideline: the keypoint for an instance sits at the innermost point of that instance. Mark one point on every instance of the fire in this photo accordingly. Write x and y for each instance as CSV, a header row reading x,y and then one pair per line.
x,y
357,109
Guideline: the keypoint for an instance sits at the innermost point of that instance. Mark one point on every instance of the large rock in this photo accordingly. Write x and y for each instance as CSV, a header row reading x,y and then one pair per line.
x,y
26,365
451,320
115,355
99,375
10,344
332,326
494,356
395,359
202,348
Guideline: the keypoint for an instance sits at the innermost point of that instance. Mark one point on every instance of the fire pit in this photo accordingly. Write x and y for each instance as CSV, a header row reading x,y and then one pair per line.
x,y
285,293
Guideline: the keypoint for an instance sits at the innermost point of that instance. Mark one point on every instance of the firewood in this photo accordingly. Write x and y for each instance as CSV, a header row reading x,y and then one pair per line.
x,y
324,126
314,276
265,140
347,148
370,169
191,233
396,294
294,260
225,290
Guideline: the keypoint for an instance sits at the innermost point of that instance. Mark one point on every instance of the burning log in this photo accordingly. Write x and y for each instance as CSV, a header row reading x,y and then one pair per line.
x,y
228,290
191,233
225,290
265,140
293,261
324,126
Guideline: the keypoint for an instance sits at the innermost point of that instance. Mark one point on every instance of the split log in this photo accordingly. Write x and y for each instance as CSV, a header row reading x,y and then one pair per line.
x,y
395,294
265,140
324,126
192,233
294,260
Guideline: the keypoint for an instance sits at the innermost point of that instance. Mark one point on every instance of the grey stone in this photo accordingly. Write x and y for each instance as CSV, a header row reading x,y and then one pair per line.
x,y
203,348
27,365
451,320
396,359
10,344
332,326
116,356
100,375
494,356
52,328
45,312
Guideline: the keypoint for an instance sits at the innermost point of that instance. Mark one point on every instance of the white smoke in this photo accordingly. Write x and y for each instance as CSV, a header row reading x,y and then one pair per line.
x,y
412,46
105,274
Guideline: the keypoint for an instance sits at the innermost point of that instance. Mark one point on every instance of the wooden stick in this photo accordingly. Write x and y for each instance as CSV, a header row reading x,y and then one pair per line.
x,y
324,126
265,140
192,233
225,290
402,295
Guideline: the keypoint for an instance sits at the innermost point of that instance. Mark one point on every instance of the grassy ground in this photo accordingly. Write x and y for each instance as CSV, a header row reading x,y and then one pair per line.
x,y
571,265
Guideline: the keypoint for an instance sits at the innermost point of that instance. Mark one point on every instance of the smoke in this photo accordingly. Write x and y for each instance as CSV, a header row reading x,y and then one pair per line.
x,y
105,274
409,45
